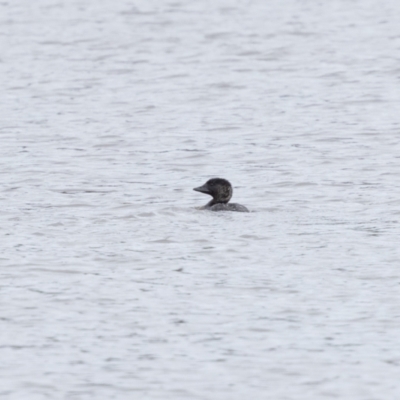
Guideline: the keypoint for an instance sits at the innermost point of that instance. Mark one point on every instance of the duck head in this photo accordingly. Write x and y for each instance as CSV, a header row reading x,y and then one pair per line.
x,y
220,190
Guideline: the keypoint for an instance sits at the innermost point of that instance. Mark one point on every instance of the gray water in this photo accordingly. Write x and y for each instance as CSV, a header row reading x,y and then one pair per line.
x,y
113,286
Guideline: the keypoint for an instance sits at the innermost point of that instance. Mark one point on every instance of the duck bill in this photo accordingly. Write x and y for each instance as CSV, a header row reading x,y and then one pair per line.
x,y
202,189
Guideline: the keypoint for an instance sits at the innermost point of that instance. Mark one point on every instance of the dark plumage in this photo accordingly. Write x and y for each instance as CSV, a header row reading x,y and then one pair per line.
x,y
221,192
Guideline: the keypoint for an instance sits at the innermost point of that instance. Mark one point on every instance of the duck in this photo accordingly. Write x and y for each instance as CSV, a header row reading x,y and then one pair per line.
x,y
221,191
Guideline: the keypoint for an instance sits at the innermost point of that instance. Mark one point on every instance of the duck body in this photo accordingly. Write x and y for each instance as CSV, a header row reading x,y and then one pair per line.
x,y
226,207
221,192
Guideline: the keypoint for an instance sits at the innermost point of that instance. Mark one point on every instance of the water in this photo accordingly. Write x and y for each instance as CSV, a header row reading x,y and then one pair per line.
x,y
113,286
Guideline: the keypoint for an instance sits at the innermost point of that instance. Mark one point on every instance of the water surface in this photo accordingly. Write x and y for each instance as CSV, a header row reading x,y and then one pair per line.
x,y
113,285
